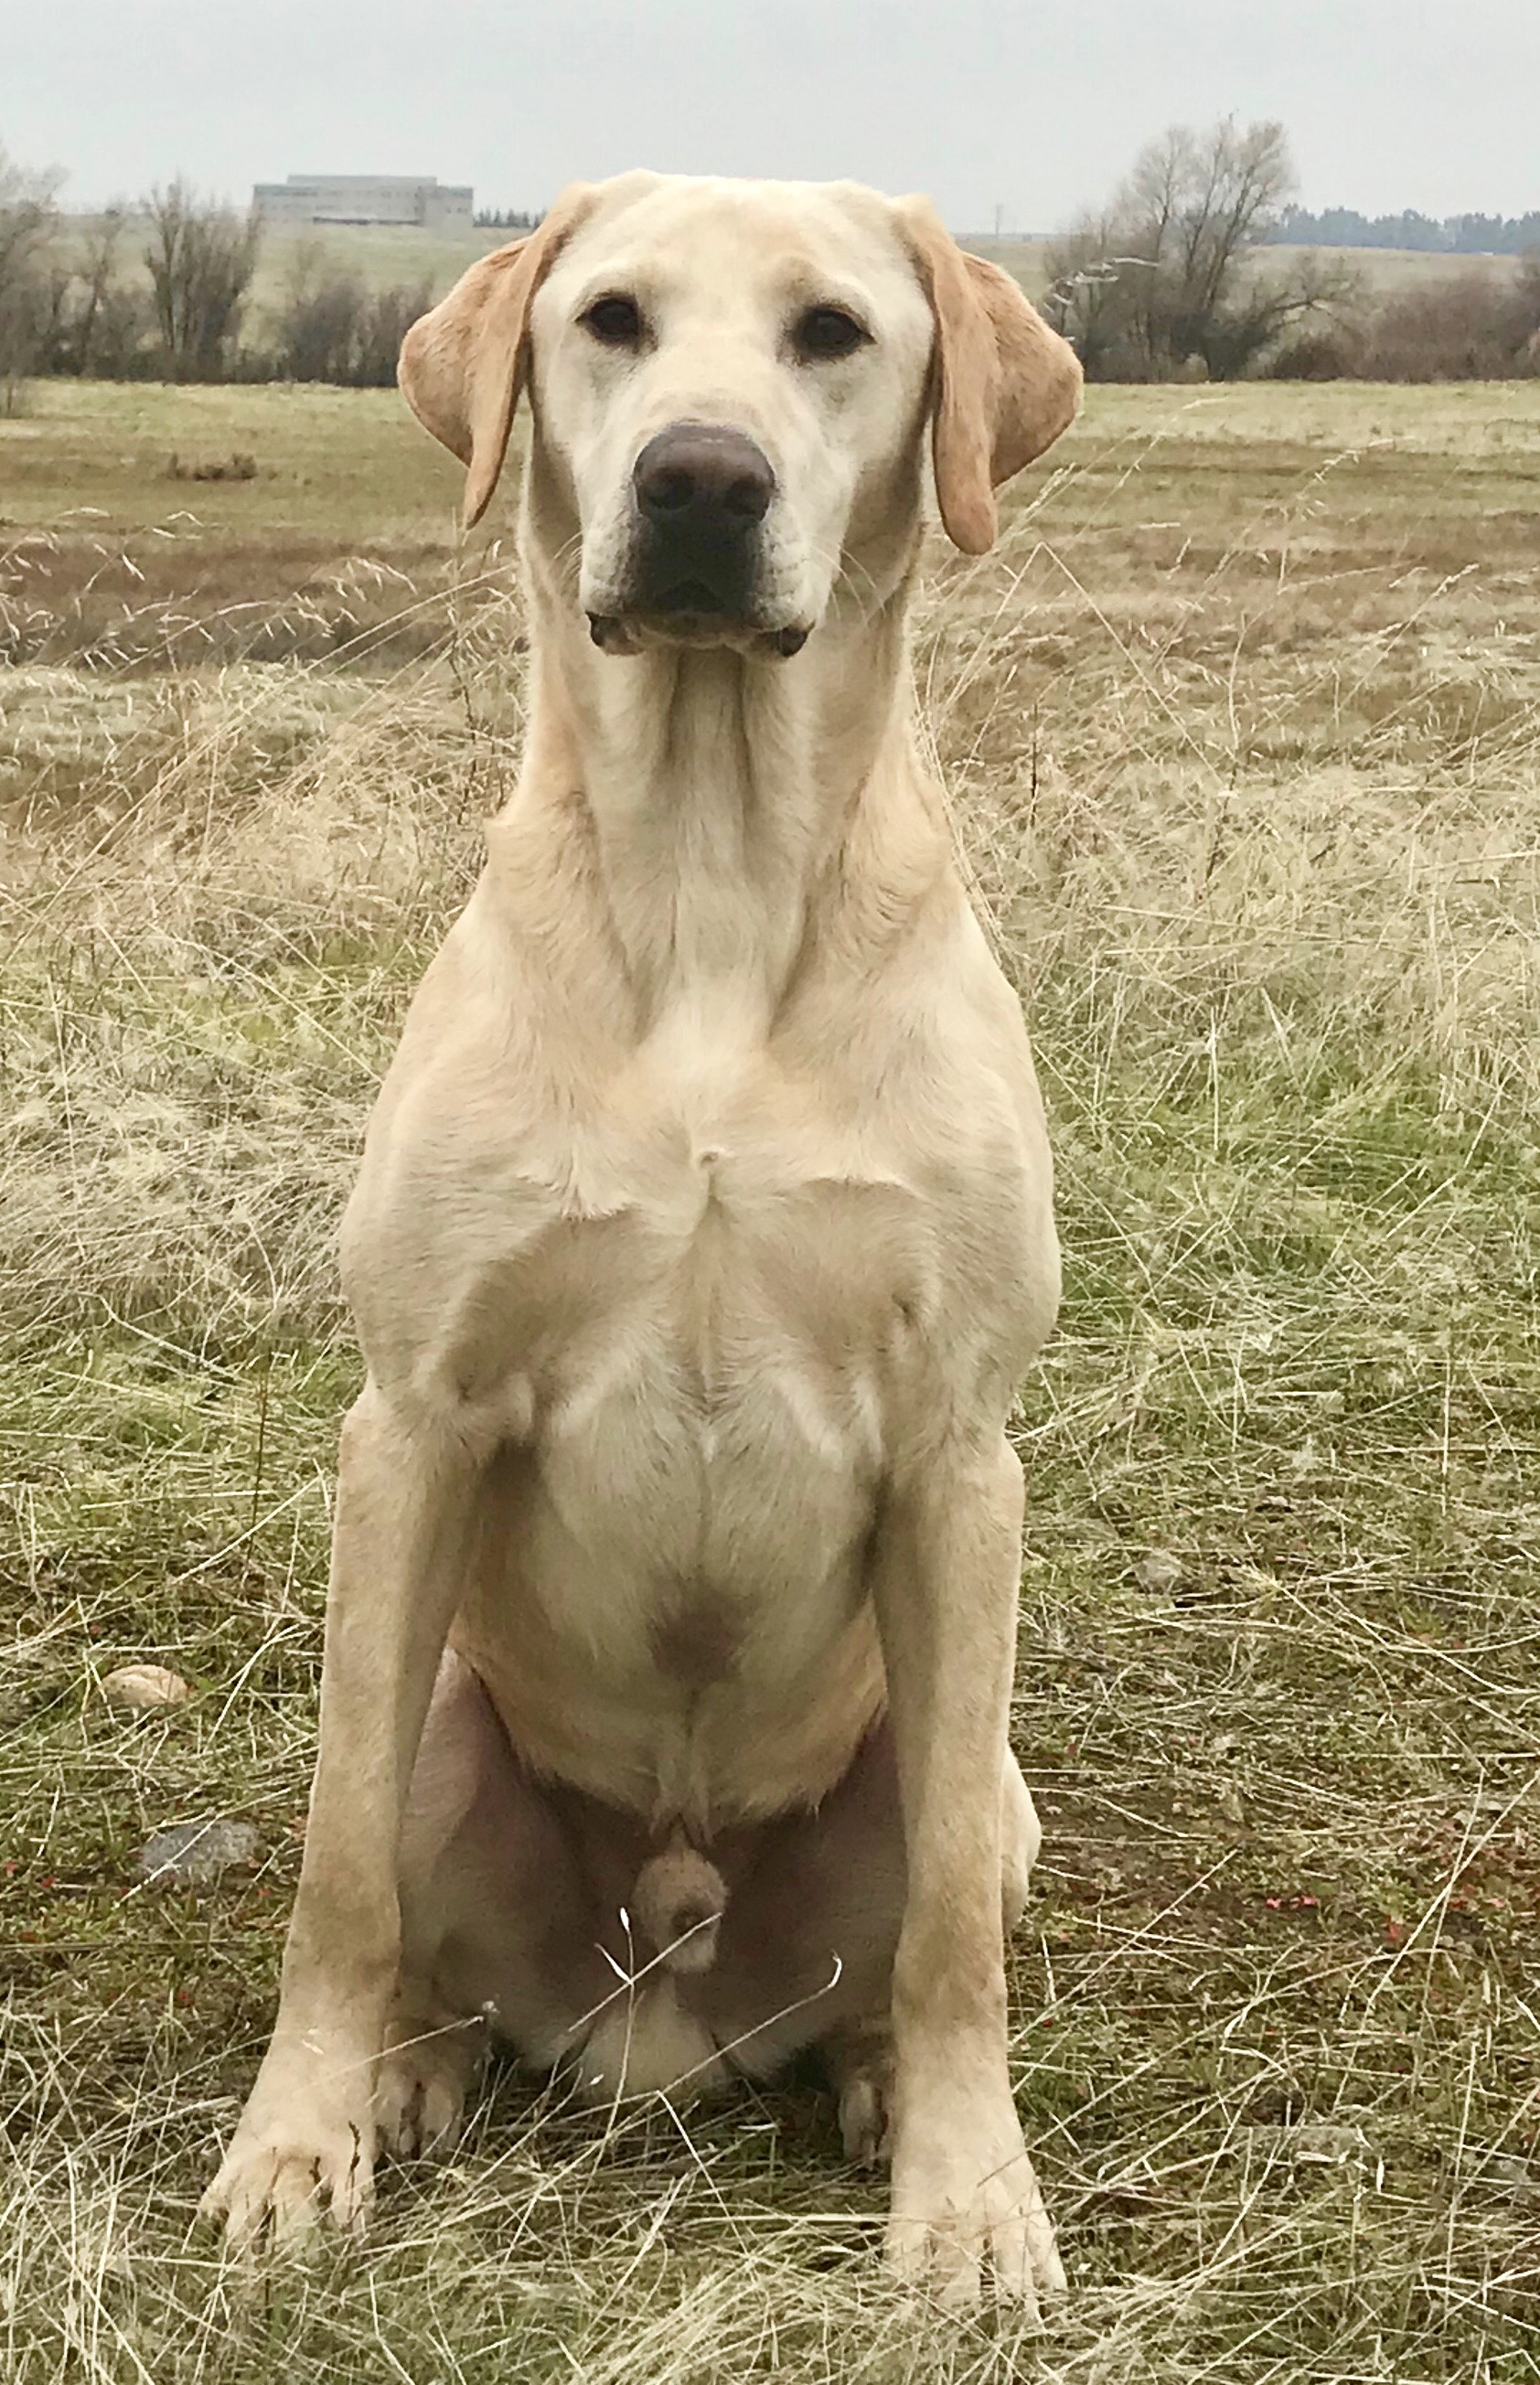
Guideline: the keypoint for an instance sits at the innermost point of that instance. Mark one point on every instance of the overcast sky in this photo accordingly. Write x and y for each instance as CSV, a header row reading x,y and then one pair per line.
x,y
1033,109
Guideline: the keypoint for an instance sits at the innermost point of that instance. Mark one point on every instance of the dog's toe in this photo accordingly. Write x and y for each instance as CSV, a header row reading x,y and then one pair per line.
x,y
421,2089
863,2074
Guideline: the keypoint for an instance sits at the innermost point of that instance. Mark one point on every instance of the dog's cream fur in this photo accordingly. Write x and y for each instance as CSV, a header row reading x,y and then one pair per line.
x,y
702,1235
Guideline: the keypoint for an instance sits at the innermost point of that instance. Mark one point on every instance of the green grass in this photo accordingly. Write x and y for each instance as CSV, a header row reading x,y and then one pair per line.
x,y
1241,724
88,459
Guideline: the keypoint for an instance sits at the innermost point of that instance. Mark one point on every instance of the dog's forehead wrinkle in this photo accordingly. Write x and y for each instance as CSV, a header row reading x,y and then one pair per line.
x,y
678,231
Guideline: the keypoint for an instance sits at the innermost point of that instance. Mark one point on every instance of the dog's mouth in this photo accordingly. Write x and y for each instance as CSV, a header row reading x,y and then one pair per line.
x,y
689,614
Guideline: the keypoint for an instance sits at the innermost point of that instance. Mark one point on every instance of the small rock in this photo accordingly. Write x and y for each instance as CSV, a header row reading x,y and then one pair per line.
x,y
1158,1573
144,1688
191,1855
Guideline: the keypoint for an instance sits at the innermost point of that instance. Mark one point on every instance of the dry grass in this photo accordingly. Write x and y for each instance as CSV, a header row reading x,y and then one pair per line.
x,y
1242,724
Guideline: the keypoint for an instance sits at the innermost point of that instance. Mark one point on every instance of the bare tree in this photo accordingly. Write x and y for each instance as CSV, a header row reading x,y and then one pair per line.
x,y
28,222
99,318
201,258
1093,297
318,322
1167,280
97,322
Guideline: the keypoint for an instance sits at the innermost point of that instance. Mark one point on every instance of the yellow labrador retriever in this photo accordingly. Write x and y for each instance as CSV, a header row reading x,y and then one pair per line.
x,y
703,1233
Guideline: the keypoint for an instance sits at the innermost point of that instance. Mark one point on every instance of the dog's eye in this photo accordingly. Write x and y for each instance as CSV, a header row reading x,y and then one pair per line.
x,y
825,332
616,321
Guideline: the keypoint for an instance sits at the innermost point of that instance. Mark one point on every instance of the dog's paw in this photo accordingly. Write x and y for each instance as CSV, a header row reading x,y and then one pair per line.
x,y
964,2197
303,2152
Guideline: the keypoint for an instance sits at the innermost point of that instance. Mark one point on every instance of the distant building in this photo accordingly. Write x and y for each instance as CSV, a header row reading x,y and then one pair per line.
x,y
366,199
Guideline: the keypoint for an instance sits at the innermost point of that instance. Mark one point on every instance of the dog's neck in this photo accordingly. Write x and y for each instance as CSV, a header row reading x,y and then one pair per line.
x,y
717,789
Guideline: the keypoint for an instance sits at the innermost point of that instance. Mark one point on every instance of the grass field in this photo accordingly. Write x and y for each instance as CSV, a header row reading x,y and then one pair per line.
x,y
1241,723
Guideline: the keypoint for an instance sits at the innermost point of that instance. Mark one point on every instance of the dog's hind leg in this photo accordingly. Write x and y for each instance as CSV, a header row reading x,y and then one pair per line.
x,y
1021,1841
858,2059
497,1919
430,2058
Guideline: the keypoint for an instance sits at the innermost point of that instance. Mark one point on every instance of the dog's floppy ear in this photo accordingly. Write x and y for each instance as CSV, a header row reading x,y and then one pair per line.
x,y
463,365
1004,385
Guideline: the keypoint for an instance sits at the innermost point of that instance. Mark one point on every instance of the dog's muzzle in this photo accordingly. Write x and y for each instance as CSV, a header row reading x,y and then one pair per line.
x,y
700,491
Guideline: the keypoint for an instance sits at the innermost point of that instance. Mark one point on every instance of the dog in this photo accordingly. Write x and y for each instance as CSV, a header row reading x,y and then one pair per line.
x,y
703,1233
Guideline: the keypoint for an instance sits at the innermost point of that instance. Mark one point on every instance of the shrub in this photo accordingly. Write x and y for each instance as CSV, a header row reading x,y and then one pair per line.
x,y
334,328
1321,352
1478,326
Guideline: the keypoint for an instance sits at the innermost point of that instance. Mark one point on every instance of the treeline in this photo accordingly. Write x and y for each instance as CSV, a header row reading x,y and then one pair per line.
x,y
1445,236
162,290
1178,279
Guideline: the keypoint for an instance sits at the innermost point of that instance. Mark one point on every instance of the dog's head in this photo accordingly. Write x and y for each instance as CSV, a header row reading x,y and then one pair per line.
x,y
730,383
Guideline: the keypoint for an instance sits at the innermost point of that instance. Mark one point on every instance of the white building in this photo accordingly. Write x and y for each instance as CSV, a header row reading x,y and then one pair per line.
x,y
367,199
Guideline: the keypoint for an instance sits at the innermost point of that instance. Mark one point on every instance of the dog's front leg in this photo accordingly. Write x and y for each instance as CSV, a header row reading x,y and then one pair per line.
x,y
307,2136
946,1587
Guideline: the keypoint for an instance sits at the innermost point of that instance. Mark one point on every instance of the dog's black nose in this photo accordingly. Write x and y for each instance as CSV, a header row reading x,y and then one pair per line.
x,y
702,482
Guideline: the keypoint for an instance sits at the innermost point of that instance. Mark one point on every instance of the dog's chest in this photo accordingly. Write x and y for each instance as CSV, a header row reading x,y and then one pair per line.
x,y
702,1323
694,1341
691,1309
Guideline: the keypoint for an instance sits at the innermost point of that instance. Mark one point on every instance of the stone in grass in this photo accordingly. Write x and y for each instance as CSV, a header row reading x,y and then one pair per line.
x,y
1158,1573
145,1689
193,1854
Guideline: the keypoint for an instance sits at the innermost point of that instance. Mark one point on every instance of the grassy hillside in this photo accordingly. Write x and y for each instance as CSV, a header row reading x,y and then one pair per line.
x,y
1383,272
380,254
1242,727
